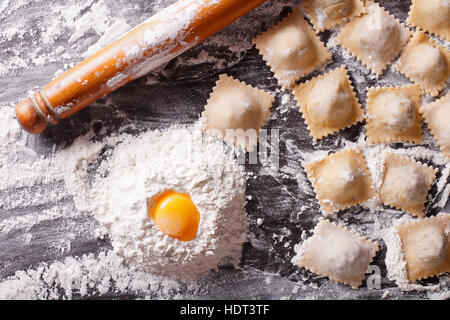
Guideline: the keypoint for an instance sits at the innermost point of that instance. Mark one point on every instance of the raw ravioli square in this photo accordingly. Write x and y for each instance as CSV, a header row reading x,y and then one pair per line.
x,y
340,180
432,16
325,14
292,49
328,103
236,111
437,117
338,253
426,63
375,38
426,246
406,183
393,114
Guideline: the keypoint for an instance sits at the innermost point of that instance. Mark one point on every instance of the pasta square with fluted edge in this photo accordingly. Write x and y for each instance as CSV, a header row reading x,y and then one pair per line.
x,y
406,183
325,14
338,253
237,111
426,246
375,38
432,16
328,103
393,114
292,49
437,117
340,180
426,63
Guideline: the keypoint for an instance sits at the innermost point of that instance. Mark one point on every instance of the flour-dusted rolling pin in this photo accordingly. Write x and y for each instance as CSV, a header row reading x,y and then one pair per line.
x,y
148,46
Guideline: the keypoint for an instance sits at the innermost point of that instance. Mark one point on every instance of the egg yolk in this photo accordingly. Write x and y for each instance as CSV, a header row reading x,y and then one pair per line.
x,y
175,215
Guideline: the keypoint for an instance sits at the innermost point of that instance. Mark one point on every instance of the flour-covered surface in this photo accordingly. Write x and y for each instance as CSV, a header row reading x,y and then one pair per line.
x,y
49,249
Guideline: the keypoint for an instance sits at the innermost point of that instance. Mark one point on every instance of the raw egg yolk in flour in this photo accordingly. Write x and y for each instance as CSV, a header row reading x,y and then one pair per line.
x,y
175,215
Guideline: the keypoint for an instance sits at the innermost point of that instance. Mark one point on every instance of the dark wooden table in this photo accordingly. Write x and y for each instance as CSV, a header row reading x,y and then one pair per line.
x,y
177,94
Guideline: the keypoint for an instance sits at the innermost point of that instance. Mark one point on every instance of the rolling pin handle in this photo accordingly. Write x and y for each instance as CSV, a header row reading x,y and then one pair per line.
x,y
34,115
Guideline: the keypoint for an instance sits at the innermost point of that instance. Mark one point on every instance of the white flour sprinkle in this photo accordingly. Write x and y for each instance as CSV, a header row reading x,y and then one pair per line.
x,y
75,22
29,168
86,276
118,29
79,17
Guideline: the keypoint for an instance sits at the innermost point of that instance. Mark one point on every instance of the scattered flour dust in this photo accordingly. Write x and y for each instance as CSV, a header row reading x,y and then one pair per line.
x,y
71,27
44,40
118,29
181,159
29,168
85,276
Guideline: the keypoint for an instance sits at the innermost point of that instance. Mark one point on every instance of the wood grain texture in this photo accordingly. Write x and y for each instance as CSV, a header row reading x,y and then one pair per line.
x,y
177,94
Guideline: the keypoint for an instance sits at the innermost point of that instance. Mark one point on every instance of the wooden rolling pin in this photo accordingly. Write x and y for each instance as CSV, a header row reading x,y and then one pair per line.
x,y
146,47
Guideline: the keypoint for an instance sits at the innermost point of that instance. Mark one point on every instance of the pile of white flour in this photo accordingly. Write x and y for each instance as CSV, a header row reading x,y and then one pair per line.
x,y
111,180
181,159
